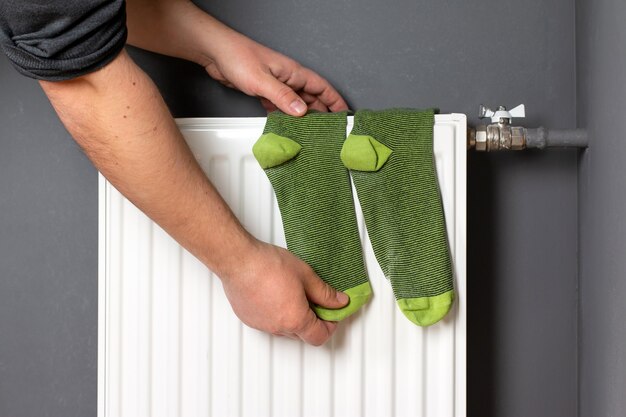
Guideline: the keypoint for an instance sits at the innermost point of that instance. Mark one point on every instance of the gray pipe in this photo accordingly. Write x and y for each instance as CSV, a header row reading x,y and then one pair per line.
x,y
541,138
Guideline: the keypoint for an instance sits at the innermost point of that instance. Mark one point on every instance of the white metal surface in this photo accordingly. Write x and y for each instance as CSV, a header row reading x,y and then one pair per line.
x,y
169,344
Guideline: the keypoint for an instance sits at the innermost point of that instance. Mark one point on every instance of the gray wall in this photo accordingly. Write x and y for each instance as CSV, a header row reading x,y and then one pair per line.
x,y
522,239
602,102
48,259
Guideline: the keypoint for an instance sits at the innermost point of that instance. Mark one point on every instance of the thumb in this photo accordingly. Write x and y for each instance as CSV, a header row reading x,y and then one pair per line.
x,y
322,294
282,96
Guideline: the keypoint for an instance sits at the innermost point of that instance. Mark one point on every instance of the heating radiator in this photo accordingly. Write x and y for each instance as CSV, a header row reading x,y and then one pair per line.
x,y
170,345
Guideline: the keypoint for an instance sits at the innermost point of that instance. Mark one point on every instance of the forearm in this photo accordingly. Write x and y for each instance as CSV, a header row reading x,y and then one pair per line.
x,y
120,120
176,28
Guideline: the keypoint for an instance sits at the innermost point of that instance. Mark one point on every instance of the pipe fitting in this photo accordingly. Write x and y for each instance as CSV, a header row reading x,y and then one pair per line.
x,y
518,138
502,137
480,135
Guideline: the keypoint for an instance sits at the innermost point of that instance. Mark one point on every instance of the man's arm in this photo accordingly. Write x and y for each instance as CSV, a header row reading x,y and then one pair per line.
x,y
118,117
179,28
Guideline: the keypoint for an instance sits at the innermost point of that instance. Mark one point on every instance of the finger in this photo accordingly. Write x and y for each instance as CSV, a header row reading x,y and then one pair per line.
x,y
288,335
313,102
311,83
319,106
282,96
268,105
322,294
315,331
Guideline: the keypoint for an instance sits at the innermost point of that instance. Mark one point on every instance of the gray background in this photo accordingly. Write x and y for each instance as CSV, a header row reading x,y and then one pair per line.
x,y
601,108
524,327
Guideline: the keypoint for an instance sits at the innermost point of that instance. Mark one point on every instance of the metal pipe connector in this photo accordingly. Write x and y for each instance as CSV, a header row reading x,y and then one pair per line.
x,y
503,137
496,137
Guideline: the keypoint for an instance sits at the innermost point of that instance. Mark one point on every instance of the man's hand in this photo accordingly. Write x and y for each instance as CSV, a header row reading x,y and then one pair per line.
x,y
272,291
181,29
279,81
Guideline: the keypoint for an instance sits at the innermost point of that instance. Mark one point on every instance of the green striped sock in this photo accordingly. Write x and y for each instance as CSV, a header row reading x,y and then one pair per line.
x,y
390,155
300,156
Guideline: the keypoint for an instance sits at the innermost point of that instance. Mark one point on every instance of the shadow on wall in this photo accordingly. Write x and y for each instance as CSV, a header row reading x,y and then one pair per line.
x,y
481,271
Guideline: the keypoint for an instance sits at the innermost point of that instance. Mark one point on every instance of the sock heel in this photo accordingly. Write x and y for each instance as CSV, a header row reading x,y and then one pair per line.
x,y
364,153
271,150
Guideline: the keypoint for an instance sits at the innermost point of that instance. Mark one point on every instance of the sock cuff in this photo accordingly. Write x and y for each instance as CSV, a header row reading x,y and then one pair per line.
x,y
314,125
391,127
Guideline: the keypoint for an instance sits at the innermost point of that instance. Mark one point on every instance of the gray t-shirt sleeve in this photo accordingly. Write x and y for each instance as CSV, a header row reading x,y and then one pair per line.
x,y
61,39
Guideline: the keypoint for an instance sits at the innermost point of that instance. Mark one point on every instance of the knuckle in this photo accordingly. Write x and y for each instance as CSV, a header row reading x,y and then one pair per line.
x,y
306,269
318,338
283,93
321,341
290,325
317,342
329,292
307,324
291,67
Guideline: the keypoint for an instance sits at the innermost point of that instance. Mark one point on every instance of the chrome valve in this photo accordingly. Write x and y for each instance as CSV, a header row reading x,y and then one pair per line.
x,y
499,135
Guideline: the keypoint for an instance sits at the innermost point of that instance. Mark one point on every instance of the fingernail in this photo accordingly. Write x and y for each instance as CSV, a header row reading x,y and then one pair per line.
x,y
342,297
298,106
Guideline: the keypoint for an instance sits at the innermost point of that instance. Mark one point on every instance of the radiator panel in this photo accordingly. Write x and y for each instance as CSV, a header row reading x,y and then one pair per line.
x,y
169,344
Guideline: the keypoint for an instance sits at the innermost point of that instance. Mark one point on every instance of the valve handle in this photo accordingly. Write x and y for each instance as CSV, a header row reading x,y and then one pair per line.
x,y
501,113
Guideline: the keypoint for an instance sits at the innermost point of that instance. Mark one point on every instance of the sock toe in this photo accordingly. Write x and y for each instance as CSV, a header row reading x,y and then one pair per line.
x,y
425,311
359,295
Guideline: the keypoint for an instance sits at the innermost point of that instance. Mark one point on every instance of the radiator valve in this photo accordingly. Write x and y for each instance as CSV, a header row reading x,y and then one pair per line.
x,y
499,135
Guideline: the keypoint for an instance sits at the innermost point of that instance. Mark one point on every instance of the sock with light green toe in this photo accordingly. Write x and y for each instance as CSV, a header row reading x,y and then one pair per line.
x,y
390,157
300,156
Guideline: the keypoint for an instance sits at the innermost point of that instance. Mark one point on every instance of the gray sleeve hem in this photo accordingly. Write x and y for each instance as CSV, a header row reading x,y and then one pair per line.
x,y
62,39
77,70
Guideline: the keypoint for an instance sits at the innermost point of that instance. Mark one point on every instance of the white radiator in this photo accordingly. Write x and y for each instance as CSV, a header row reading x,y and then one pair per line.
x,y
169,344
